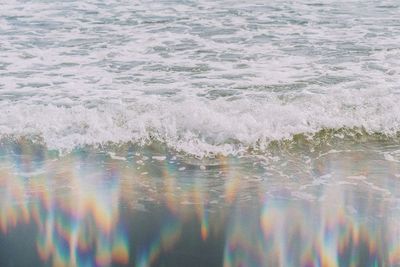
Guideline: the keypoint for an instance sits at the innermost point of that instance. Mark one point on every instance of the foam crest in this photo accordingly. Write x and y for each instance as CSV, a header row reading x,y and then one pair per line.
x,y
201,126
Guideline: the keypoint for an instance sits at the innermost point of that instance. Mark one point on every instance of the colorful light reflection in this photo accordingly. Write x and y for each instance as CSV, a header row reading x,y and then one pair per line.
x,y
85,207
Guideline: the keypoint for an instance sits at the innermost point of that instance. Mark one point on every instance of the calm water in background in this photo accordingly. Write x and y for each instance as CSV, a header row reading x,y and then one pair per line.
x,y
199,133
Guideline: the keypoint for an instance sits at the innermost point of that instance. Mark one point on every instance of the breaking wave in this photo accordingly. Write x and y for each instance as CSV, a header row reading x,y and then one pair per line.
x,y
200,126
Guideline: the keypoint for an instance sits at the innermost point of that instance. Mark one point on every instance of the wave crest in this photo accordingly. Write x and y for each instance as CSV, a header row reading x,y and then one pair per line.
x,y
202,127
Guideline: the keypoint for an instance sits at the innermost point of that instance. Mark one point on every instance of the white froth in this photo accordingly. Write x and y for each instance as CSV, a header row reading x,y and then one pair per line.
x,y
201,127
203,77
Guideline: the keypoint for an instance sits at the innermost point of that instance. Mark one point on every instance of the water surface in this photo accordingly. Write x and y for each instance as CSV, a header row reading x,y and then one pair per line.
x,y
138,207
199,133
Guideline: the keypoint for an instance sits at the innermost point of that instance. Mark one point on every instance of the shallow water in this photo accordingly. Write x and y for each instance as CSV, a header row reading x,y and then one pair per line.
x,y
199,133
153,207
204,77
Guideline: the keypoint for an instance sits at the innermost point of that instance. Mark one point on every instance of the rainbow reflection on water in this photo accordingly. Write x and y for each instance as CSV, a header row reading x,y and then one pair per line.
x,y
148,207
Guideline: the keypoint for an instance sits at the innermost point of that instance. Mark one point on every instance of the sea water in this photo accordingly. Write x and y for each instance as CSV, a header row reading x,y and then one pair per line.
x,y
202,133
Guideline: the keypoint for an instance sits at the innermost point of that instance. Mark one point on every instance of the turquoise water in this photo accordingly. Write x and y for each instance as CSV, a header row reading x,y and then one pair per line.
x,y
199,133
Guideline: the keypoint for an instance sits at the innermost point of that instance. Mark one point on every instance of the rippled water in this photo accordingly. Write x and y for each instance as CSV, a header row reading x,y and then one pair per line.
x,y
202,76
199,133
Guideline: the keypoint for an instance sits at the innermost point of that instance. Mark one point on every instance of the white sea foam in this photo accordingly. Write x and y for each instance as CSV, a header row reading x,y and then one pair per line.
x,y
201,127
203,77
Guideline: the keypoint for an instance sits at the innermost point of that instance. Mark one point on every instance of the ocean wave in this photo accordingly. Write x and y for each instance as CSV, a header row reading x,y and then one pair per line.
x,y
202,77
201,126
